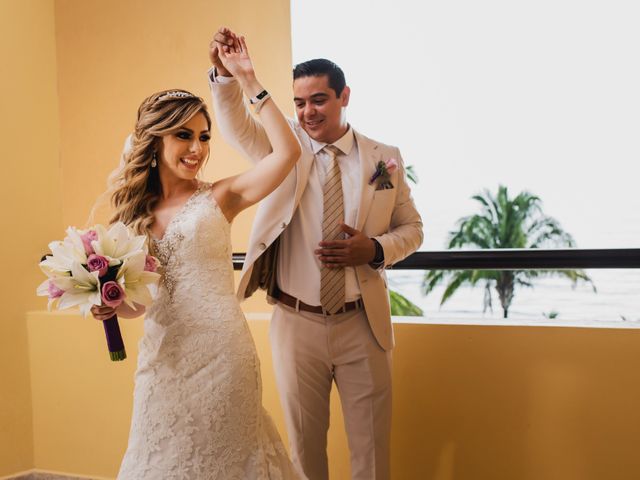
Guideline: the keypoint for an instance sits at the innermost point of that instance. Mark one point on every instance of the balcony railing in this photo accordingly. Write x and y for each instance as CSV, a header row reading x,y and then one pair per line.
x,y
512,259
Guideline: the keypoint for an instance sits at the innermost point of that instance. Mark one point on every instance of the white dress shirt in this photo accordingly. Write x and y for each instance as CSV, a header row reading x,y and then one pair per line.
x,y
298,265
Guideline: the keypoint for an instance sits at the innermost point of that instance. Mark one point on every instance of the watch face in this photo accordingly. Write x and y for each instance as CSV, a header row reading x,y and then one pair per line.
x,y
258,97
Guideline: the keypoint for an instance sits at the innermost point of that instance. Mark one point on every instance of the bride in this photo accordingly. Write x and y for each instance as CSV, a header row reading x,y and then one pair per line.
x,y
197,409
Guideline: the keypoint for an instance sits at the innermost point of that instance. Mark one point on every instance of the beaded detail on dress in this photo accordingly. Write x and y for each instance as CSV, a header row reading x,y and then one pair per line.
x,y
197,410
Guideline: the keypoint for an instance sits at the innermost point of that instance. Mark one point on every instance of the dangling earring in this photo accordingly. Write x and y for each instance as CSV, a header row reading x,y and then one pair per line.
x,y
154,163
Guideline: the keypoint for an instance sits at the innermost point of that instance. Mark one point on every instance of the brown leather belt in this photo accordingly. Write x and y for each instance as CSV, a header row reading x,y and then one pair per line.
x,y
293,302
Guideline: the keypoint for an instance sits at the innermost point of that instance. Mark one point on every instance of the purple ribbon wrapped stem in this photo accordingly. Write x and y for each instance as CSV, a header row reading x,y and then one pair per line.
x,y
114,339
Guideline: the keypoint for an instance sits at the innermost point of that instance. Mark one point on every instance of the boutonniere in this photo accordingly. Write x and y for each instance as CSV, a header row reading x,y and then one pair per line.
x,y
383,172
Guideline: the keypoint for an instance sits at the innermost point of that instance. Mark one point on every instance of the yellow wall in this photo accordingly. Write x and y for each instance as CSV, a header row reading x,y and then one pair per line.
x,y
30,199
111,55
526,403
470,402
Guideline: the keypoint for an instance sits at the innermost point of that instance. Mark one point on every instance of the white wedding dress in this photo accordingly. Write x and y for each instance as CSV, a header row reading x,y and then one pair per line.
x,y
197,410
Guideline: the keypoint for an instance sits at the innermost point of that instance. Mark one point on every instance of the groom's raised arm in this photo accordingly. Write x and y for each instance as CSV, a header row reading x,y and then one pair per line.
x,y
237,125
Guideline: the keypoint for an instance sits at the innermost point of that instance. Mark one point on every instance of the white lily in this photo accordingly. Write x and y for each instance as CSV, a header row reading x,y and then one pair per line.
x,y
118,242
73,237
63,254
44,290
139,285
55,267
82,288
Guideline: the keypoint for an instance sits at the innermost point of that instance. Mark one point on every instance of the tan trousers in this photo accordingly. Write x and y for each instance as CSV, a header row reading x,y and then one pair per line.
x,y
310,351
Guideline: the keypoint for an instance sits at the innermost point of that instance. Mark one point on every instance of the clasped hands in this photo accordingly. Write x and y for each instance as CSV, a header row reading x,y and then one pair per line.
x,y
358,249
228,52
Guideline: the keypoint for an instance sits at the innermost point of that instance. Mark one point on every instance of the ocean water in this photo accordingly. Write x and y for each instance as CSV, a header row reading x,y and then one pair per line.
x,y
617,299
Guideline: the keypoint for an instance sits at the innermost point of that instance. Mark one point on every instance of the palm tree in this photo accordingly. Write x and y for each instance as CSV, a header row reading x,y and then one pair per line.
x,y
503,223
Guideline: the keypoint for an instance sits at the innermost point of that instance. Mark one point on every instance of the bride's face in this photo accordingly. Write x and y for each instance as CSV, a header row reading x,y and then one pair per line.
x,y
182,153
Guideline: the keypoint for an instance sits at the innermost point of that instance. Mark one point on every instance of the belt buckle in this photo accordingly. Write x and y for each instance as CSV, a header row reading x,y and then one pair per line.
x,y
327,313
342,309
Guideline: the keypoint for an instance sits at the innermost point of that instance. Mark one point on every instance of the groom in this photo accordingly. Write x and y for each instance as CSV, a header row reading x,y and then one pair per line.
x,y
319,246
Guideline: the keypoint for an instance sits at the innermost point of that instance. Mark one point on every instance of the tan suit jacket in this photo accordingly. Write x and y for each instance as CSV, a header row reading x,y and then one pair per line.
x,y
389,216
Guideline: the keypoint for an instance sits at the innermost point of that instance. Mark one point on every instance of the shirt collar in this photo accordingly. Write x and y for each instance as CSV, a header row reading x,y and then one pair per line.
x,y
344,143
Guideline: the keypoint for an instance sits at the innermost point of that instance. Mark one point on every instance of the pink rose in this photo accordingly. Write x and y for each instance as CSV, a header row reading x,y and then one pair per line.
x,y
150,264
87,238
112,294
97,263
54,292
391,164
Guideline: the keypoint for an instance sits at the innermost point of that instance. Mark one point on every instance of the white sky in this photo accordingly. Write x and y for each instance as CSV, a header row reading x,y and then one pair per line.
x,y
542,95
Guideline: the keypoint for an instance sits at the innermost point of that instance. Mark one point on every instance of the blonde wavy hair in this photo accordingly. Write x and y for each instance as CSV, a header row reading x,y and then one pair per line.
x,y
135,188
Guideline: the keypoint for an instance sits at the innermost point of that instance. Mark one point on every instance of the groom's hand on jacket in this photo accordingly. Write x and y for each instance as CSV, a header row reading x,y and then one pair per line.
x,y
356,249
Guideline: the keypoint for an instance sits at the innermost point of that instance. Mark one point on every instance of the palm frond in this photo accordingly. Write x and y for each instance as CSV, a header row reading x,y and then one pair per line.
x,y
402,306
459,279
432,279
411,174
546,231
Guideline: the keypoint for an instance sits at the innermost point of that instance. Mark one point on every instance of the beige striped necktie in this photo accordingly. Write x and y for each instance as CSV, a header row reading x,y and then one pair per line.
x,y
332,285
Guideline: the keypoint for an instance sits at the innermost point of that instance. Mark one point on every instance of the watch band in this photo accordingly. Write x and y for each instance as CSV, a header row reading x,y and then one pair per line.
x,y
378,259
259,97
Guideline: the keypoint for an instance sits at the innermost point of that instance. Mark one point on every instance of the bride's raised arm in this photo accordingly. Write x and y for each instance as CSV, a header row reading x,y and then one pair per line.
x,y
236,193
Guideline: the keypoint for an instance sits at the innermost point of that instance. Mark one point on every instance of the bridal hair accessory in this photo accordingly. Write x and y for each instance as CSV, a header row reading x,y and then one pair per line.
x,y
100,267
383,172
175,94
154,160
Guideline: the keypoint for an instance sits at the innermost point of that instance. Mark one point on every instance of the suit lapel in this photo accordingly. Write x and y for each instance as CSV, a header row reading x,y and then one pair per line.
x,y
368,153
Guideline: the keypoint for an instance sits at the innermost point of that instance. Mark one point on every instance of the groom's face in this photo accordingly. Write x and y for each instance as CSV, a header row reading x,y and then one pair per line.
x,y
320,111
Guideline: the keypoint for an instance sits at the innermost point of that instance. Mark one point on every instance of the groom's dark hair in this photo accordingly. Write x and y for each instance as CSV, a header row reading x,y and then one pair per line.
x,y
319,67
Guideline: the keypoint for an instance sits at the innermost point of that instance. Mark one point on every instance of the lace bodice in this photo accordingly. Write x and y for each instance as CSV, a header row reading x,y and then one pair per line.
x,y
197,240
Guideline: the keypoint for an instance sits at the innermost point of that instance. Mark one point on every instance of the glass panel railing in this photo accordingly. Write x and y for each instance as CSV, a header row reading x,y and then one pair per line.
x,y
529,285
608,295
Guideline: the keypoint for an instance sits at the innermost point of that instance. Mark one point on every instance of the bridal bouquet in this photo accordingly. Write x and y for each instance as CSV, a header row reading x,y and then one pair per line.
x,y
100,266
